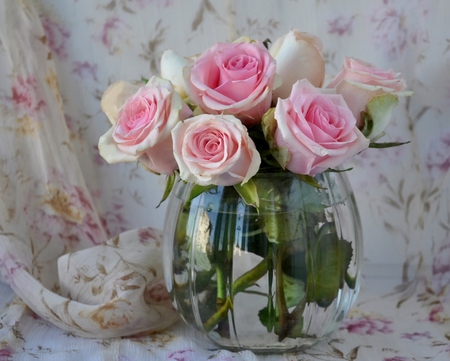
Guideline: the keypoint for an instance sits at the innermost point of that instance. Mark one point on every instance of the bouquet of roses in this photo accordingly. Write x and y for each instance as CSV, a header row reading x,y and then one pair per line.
x,y
242,109
195,118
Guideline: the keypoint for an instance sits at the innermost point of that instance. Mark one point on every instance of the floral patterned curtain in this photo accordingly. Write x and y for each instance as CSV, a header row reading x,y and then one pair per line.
x,y
60,202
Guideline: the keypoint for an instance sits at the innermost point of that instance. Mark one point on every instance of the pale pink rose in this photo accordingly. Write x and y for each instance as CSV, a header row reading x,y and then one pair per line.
x,y
298,56
359,82
317,129
365,73
232,78
214,149
142,119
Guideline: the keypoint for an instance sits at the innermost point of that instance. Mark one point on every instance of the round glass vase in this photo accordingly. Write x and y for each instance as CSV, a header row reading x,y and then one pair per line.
x,y
270,277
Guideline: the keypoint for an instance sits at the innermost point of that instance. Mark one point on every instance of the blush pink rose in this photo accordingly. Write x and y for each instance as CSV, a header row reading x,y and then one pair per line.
x,y
214,149
142,119
359,82
317,129
232,78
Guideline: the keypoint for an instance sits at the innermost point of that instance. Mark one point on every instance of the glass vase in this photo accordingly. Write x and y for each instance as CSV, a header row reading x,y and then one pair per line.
x,y
271,277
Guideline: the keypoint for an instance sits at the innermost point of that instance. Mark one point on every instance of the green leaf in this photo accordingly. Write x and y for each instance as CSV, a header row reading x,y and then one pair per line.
x,y
249,193
267,42
330,170
169,186
387,144
144,80
294,290
309,180
328,262
282,227
197,190
351,281
267,317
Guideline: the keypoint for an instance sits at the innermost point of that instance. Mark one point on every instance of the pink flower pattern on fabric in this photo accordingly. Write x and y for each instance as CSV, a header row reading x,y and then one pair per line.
x,y
397,24
367,326
25,95
85,70
57,37
110,33
438,157
341,25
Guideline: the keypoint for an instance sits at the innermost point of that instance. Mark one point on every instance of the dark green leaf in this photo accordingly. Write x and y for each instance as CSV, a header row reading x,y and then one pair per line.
x,y
267,42
267,317
338,170
328,262
387,144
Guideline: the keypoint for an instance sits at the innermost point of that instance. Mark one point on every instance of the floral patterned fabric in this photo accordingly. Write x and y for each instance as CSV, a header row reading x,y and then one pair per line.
x,y
60,202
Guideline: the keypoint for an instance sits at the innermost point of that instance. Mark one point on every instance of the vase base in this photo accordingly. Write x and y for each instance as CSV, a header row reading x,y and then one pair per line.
x,y
287,346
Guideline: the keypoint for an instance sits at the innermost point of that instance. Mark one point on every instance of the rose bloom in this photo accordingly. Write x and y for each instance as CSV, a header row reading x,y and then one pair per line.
x,y
298,56
214,149
359,82
317,129
232,78
142,119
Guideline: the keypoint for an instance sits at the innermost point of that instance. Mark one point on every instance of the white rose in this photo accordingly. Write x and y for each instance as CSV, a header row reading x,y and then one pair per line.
x,y
298,56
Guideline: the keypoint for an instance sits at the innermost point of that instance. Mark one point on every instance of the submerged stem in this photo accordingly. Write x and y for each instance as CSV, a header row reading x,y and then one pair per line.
x,y
283,312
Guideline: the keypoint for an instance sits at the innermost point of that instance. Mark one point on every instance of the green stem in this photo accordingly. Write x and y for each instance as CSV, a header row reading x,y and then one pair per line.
x,y
221,287
283,312
249,278
220,314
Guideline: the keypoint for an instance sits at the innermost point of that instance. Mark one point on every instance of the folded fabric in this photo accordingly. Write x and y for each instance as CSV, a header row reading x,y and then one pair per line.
x,y
111,290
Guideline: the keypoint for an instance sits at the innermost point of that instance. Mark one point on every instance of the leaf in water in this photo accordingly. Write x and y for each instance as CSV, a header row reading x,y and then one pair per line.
x,y
294,290
249,193
267,318
327,266
309,180
282,227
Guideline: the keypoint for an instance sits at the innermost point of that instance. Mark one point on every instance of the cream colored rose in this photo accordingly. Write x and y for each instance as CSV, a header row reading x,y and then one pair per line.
x,y
298,56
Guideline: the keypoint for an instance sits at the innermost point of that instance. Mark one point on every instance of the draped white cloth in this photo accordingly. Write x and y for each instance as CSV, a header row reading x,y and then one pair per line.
x,y
60,202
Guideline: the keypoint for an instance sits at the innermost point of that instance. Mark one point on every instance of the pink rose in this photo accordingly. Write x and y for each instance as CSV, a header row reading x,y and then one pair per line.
x,y
214,149
232,78
142,119
314,130
360,83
